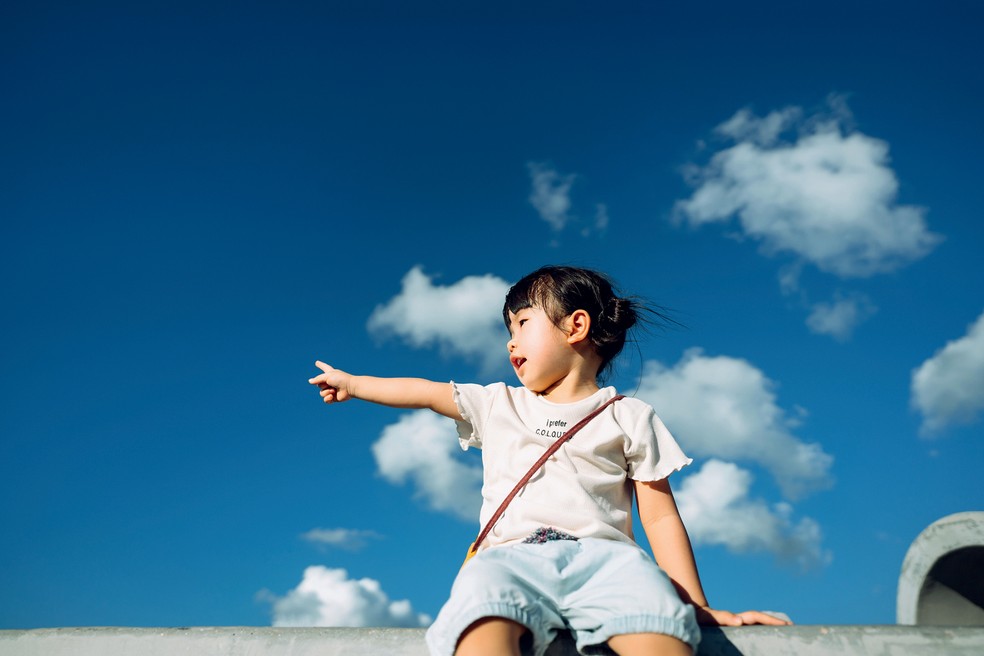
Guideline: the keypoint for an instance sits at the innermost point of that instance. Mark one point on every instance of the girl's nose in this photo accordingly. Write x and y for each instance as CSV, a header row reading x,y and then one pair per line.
x,y
510,345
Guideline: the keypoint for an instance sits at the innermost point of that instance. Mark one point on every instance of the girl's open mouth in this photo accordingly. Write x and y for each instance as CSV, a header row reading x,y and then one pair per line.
x,y
517,362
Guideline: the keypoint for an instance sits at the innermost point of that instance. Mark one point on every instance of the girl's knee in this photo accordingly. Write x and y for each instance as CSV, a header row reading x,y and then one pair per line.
x,y
630,644
491,635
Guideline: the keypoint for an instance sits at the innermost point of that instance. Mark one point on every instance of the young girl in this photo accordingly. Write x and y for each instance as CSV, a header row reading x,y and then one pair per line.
x,y
562,556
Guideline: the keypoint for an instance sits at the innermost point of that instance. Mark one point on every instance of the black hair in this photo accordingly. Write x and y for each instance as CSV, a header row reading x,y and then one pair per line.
x,y
560,290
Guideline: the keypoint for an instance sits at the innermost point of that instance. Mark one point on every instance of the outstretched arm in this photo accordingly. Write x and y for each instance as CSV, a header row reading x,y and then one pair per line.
x,y
671,547
337,386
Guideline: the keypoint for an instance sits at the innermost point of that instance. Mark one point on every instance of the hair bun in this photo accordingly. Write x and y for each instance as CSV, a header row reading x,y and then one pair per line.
x,y
620,312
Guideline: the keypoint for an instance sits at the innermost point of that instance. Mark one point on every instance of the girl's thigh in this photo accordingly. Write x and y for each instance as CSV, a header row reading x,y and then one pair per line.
x,y
512,583
617,589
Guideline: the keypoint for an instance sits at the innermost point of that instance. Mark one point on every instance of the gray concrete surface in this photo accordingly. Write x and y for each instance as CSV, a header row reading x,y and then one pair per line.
x,y
268,641
941,586
942,578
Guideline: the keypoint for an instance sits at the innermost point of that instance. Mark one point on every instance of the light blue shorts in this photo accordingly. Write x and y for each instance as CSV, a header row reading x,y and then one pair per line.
x,y
593,588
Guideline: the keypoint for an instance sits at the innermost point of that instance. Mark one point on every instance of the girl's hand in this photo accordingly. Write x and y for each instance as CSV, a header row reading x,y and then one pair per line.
x,y
709,617
334,383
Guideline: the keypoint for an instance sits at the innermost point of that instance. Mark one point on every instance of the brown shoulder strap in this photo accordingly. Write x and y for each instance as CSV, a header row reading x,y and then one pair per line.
x,y
539,463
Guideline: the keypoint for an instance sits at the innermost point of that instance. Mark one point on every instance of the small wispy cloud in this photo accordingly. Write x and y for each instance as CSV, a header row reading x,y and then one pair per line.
x,y
464,318
948,388
601,220
328,597
342,538
551,194
841,316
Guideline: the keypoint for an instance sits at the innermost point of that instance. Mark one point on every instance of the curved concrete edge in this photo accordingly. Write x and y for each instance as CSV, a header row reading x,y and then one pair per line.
x,y
272,641
940,538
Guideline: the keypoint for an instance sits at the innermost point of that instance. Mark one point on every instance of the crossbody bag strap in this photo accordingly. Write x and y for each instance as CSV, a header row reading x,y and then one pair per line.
x,y
539,463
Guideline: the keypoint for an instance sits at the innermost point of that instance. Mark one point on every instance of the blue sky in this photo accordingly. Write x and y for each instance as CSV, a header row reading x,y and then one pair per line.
x,y
198,201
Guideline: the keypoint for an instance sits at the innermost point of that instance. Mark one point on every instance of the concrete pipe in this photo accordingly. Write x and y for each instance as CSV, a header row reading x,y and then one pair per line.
x,y
942,579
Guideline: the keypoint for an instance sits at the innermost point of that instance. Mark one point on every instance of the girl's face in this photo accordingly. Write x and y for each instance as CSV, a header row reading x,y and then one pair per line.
x,y
538,350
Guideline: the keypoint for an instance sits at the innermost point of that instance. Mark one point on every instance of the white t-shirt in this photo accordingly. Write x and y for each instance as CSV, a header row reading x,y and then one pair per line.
x,y
584,489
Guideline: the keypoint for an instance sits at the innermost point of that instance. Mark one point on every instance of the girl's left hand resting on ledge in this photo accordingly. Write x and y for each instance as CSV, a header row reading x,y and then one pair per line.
x,y
710,617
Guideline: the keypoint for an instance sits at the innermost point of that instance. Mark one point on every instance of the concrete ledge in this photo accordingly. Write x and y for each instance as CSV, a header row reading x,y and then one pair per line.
x,y
268,641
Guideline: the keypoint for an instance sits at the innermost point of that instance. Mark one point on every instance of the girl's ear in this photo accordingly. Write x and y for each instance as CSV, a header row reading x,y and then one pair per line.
x,y
578,326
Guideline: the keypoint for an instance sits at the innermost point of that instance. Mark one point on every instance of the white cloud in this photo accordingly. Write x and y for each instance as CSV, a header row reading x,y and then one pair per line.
x,y
601,221
601,217
789,278
948,388
726,408
343,538
828,197
715,506
745,126
327,597
464,318
841,316
551,194
421,447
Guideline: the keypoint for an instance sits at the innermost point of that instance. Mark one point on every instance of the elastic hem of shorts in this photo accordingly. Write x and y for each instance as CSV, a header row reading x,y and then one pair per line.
x,y
465,620
679,629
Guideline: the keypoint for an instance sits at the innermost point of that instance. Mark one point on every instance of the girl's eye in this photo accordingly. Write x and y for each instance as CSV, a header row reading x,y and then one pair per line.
x,y
522,321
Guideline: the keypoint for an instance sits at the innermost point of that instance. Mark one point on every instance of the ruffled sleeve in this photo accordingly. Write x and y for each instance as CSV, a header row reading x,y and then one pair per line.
x,y
474,403
651,452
